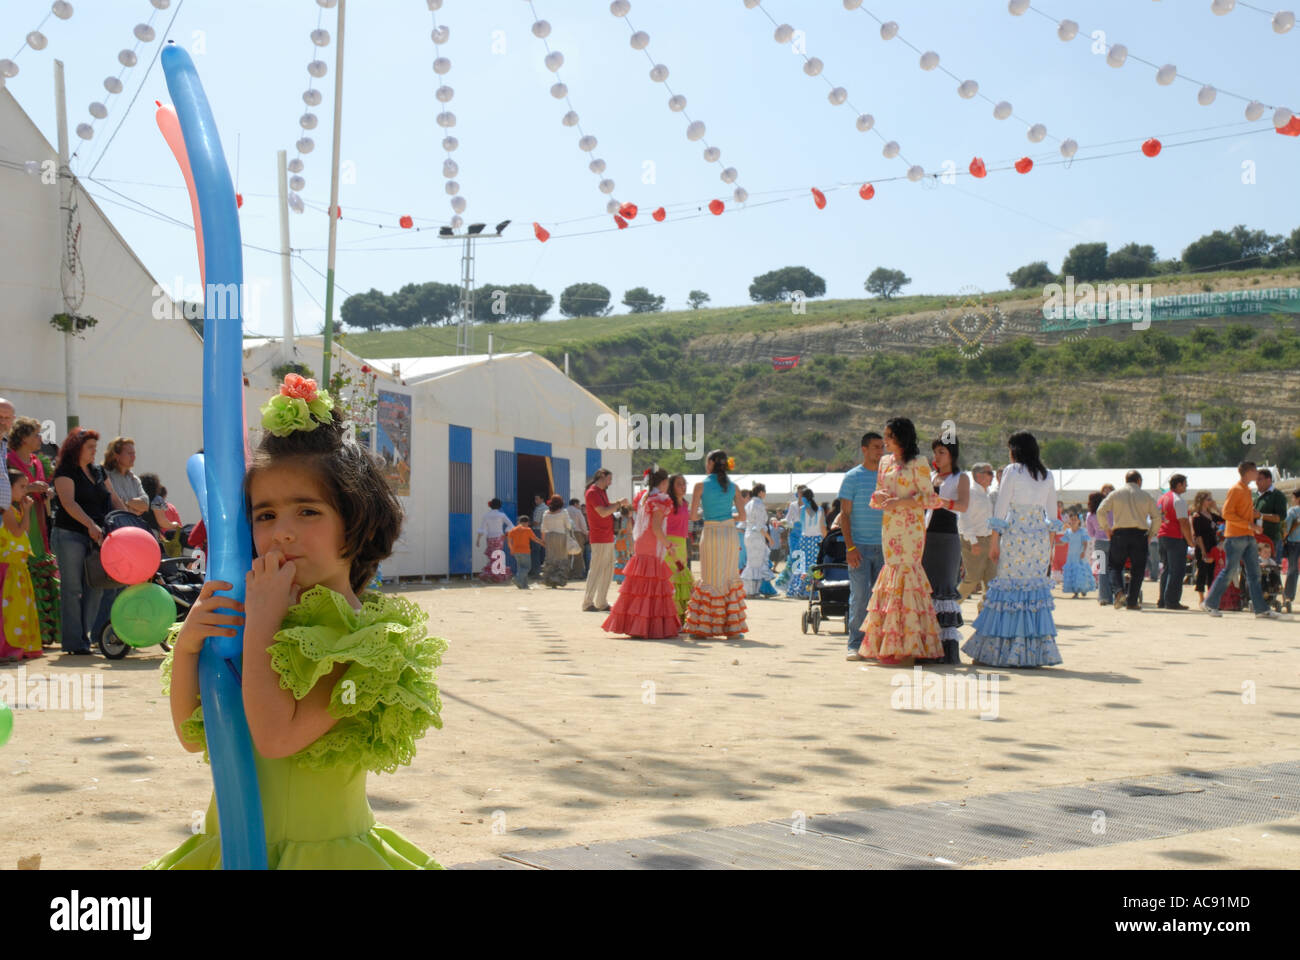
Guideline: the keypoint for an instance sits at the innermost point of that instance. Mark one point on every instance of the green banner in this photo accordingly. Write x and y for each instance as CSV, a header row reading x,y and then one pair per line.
x,y
1182,306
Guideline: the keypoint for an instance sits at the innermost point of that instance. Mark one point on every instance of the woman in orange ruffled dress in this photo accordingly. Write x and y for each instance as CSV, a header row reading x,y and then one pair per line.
x,y
645,608
901,625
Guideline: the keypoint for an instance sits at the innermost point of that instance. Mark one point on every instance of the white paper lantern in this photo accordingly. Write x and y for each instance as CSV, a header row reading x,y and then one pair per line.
x,y
61,9
98,110
144,33
295,203
457,222
1017,7
85,131
444,94
36,40
295,165
318,68
559,91
612,206
837,96
929,60
1281,117
1002,110
783,33
740,195
307,121
1221,7
446,119
606,186
458,204
306,145
658,73
915,173
327,4
888,30
570,119
813,67
112,85
1117,55
596,166
441,66
452,187
541,29
852,4
1067,30
450,143
1283,21
1254,110
751,4
161,4
1205,96
677,103
968,89
312,98
1037,133
729,175
640,40
1069,148
695,131
554,60
440,35
297,184
866,122
32,167
1166,75
320,37
712,154
891,150
587,143
619,8
450,168
127,58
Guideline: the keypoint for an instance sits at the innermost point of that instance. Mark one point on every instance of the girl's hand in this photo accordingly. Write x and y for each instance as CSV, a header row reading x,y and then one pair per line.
x,y
270,591
204,621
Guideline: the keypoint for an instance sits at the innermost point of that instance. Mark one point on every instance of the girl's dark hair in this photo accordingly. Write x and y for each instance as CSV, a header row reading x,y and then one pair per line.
x,y
556,503
15,476
905,436
952,449
672,489
657,476
70,452
152,485
1094,500
494,504
353,485
719,469
759,488
1024,449
809,499
832,512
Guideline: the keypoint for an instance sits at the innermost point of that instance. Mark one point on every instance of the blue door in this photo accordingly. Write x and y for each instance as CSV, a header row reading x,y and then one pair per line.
x,y
560,469
506,484
460,500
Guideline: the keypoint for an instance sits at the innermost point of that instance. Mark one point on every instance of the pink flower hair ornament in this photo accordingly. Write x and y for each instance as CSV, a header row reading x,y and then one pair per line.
x,y
300,405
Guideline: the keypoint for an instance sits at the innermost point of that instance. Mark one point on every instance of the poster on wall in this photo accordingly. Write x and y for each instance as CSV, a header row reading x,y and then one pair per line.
x,y
393,440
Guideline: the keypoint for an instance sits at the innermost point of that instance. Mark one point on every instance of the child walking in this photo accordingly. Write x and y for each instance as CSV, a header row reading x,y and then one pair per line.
x,y
521,536
337,681
20,626
1076,576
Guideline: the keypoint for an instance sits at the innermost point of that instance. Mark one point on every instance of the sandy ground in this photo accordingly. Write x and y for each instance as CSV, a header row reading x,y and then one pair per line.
x,y
556,734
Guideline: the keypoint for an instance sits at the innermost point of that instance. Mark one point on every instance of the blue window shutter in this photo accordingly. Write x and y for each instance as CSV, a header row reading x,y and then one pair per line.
x,y
460,521
560,470
507,483
593,463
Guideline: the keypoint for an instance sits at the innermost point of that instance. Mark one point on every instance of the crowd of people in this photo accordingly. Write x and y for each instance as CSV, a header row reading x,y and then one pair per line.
x,y
58,506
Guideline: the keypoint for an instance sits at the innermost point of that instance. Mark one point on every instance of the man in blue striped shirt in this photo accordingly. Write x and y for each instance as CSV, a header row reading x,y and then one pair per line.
x,y
860,524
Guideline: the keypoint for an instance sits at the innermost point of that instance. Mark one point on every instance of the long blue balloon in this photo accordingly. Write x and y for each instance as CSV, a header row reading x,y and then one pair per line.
x,y
195,470
230,548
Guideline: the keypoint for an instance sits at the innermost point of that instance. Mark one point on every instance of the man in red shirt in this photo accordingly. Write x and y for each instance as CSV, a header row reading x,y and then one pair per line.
x,y
600,522
1175,537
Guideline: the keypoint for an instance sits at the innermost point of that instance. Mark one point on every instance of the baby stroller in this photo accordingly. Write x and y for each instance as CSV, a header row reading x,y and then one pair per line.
x,y
828,585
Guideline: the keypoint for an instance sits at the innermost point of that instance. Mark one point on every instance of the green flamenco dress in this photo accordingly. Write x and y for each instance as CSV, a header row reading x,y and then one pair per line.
x,y
314,803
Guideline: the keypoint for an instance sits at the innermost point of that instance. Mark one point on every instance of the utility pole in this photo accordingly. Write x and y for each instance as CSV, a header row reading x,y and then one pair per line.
x,y
65,220
286,277
465,329
334,199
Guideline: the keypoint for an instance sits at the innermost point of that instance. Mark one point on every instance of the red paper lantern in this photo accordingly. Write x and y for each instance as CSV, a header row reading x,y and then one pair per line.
x,y
239,200
406,223
716,207
1024,165
622,224
541,233
628,210
1292,129
661,214
867,191
977,168
338,213
819,198
1151,147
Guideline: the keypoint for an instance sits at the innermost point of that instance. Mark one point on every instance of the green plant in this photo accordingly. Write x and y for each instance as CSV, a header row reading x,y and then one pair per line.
x,y
71,322
280,371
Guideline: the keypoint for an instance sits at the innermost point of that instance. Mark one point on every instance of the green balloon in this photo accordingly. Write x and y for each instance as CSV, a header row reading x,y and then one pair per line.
x,y
142,615
6,723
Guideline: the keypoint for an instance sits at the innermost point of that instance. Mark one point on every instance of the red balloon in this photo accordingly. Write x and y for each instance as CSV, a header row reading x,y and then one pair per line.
x,y
661,214
130,555
716,207
819,198
628,211
977,168
1024,165
406,223
239,200
867,191
622,224
1151,147
541,233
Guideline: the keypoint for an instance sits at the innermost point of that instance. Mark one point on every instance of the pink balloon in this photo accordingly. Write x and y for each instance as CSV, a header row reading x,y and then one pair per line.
x,y
130,555
170,125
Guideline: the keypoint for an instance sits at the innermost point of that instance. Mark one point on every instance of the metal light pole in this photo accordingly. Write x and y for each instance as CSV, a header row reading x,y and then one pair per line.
x,y
465,309
334,199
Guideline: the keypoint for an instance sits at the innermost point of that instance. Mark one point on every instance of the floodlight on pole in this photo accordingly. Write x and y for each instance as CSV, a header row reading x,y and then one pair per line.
x,y
465,325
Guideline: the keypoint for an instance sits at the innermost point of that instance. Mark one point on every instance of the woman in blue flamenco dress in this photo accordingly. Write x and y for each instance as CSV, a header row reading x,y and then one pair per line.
x,y
1015,628
1076,579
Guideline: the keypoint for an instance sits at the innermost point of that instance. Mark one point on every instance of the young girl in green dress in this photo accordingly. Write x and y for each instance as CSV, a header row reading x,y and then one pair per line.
x,y
336,681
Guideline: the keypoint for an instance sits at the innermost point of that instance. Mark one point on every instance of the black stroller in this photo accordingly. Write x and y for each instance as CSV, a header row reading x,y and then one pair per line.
x,y
828,590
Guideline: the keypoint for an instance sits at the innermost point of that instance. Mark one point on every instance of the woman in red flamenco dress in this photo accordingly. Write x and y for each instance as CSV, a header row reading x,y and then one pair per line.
x,y
645,608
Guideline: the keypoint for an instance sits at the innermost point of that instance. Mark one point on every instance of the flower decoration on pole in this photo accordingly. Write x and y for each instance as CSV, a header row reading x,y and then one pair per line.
x,y
300,405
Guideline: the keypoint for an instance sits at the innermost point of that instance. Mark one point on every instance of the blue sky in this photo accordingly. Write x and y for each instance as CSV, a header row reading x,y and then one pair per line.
x,y
771,121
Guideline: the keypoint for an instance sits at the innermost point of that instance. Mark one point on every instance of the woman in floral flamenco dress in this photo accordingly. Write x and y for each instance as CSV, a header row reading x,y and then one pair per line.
x,y
645,608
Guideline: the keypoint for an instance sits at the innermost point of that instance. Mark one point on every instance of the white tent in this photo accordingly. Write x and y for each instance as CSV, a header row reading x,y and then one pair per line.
x,y
138,376
458,431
